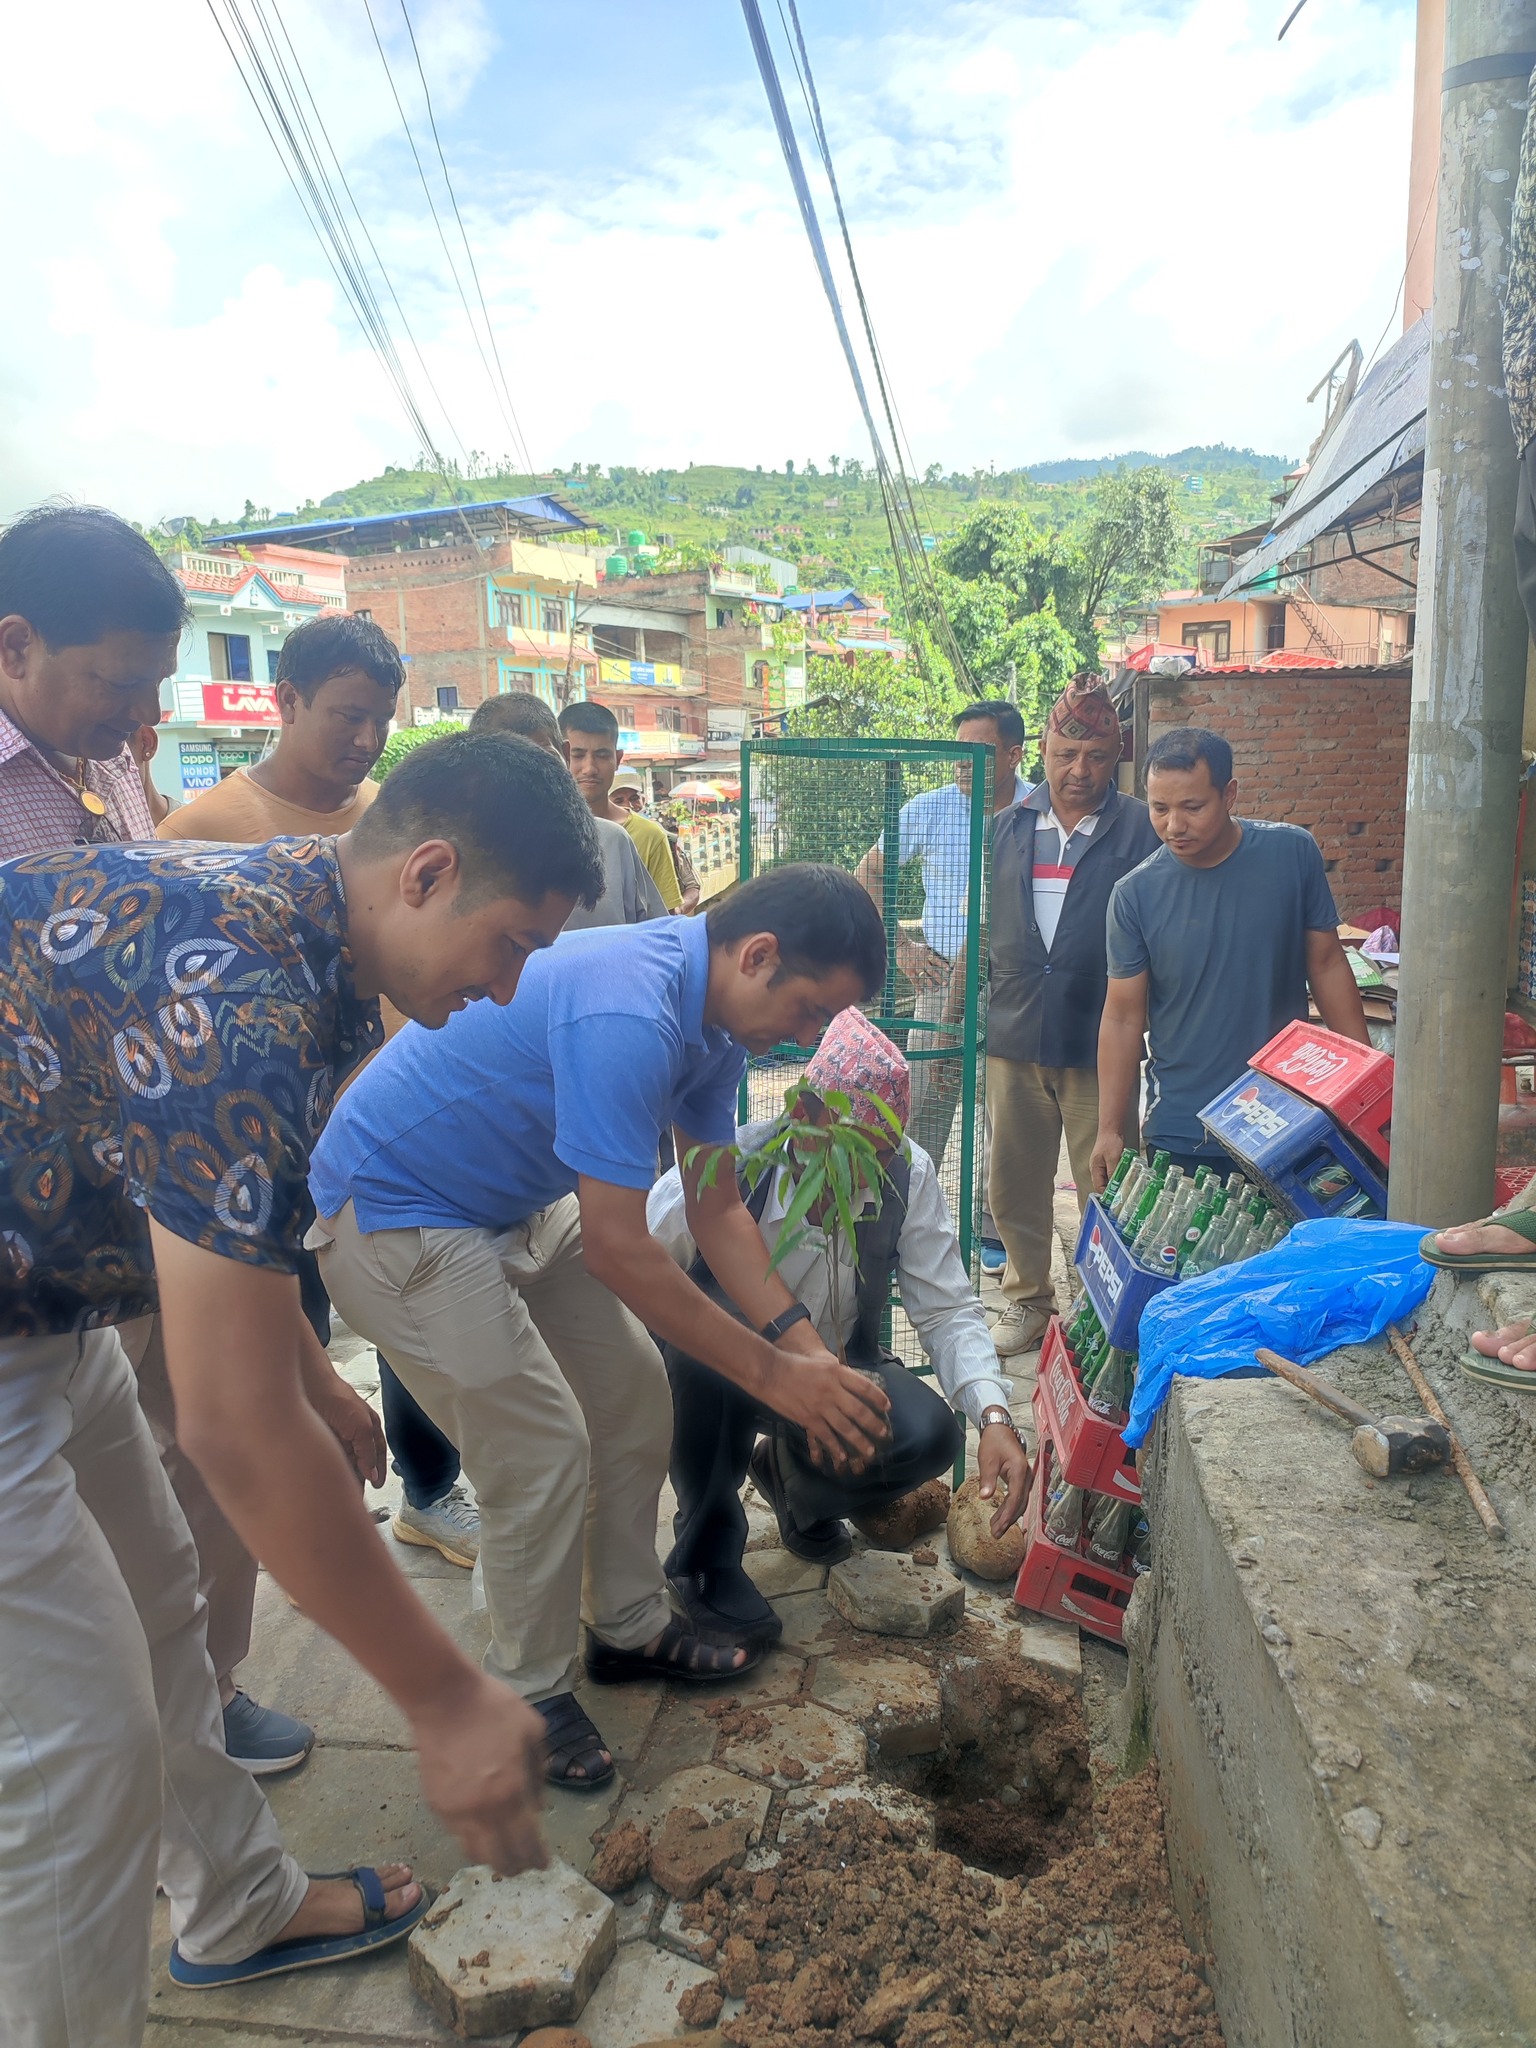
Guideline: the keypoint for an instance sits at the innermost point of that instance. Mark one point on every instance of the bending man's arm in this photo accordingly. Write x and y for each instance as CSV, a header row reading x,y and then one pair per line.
x,y
841,1412
1120,1034
1334,988
241,1360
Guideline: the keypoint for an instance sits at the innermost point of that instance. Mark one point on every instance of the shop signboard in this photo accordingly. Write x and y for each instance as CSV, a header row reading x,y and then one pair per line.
x,y
199,765
240,704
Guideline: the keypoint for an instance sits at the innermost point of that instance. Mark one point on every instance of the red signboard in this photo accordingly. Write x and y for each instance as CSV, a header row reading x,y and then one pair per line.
x,y
240,704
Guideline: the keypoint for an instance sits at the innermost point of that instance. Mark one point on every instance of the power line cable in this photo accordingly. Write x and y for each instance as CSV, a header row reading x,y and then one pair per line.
x,y
453,270
521,446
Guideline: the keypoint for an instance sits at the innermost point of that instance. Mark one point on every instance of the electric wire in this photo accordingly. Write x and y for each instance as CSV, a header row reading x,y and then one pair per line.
x,y
453,269
520,444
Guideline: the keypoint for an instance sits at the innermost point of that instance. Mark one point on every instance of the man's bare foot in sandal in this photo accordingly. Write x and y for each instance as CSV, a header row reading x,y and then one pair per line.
x,y
1514,1344
333,1905
1507,1241
1466,1240
676,1653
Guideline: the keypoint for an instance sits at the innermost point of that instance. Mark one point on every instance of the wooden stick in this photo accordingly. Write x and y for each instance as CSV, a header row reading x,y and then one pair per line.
x,y
1298,1376
1459,1459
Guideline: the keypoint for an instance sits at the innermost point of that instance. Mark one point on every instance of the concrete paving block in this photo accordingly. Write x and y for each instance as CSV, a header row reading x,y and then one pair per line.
x,y
810,1627
887,1594
571,1819
682,1737
912,1816
496,1953
636,2003
778,1677
625,1714
362,1806
1053,1647
632,1913
802,1745
718,1795
895,1701
776,1573
692,1942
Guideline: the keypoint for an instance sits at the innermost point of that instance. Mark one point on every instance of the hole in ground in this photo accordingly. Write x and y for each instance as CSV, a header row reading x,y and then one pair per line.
x,y
1009,1785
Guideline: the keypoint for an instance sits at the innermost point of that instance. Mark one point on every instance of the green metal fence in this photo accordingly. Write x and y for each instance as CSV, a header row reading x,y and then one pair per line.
x,y
837,801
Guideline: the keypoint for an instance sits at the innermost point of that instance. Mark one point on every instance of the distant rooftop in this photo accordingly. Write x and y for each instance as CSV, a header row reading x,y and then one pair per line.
x,y
486,519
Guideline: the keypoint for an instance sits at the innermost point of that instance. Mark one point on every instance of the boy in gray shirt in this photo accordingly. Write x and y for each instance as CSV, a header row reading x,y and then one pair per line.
x,y
1213,942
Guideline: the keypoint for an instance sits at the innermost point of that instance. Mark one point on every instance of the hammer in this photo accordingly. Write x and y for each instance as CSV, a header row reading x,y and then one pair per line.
x,y
1397,1443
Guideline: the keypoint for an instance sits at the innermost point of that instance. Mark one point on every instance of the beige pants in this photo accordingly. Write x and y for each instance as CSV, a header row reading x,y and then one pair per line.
x,y
1030,1107
226,1569
559,1404
112,1763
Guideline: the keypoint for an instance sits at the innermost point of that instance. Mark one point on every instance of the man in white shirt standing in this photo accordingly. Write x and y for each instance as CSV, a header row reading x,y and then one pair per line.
x,y
1055,861
935,829
716,1426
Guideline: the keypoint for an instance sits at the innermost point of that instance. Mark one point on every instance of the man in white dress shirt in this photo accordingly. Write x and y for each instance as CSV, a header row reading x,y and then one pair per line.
x,y
716,1427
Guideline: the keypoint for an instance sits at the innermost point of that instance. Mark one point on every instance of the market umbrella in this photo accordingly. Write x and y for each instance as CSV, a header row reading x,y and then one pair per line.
x,y
698,792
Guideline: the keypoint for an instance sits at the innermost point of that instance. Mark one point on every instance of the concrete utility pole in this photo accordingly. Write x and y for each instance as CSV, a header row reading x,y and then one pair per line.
x,y
1470,649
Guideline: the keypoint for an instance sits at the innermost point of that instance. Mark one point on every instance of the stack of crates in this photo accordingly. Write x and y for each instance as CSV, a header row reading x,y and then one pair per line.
x,y
1311,1122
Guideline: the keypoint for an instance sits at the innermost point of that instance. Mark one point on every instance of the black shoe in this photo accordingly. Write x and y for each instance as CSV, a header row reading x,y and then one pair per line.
x,y
726,1608
818,1542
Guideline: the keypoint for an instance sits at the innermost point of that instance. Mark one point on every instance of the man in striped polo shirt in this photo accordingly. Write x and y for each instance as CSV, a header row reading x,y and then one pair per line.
x,y
1055,860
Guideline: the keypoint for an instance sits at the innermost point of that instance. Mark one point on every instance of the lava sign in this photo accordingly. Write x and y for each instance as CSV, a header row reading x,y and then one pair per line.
x,y
240,704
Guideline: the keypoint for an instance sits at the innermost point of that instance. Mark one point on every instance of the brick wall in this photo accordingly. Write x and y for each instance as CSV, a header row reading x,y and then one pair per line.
x,y
1327,749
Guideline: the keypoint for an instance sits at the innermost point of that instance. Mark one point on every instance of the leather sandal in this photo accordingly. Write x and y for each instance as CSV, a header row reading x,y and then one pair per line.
x,y
572,1738
679,1654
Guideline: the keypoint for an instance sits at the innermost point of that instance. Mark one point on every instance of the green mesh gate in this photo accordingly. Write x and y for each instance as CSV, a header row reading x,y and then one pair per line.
x,y
838,801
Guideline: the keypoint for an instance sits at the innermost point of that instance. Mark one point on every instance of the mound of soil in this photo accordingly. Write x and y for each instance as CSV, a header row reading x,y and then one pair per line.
x,y
859,1935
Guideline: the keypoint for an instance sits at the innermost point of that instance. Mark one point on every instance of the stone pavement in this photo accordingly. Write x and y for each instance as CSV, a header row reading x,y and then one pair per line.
x,y
817,1704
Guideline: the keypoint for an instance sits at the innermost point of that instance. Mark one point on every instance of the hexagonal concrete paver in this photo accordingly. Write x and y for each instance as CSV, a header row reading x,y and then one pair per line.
x,y
637,2000
801,1745
718,1795
1052,1646
776,1573
496,1953
889,1595
895,1701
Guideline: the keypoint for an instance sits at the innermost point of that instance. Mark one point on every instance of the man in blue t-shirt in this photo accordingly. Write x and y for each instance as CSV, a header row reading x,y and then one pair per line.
x,y
482,1198
1213,943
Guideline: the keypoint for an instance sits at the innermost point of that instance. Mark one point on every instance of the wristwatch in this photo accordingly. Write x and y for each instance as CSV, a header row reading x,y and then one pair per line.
x,y
797,1312
1002,1415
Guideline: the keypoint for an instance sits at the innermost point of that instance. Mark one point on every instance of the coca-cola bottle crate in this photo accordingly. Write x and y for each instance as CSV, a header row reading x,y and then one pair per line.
x,y
1090,1451
1352,1082
1065,1583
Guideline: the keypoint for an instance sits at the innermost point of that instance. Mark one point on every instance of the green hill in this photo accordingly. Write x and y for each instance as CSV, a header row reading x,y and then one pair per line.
x,y
827,517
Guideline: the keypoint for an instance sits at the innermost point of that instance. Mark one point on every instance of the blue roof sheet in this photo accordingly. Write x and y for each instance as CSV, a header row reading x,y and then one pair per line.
x,y
540,514
824,601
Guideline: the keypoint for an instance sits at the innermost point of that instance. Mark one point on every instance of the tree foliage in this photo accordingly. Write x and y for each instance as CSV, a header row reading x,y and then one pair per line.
x,y
874,697
399,744
1130,541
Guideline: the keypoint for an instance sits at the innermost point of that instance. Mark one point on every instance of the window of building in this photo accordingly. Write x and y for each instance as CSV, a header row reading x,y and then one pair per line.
x,y
553,613
509,608
1213,637
448,698
518,679
273,658
229,657
362,613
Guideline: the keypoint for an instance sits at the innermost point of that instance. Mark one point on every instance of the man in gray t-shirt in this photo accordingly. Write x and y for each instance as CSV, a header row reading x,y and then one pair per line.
x,y
1212,944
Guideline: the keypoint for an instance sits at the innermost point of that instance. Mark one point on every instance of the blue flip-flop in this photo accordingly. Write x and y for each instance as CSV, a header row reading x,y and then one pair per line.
x,y
313,1952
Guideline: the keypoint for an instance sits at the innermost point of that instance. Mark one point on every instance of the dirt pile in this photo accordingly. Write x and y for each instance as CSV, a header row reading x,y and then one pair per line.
x,y
860,1935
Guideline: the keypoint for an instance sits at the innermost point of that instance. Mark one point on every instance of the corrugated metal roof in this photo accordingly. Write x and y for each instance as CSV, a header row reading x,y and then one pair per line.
x,y
541,514
1381,432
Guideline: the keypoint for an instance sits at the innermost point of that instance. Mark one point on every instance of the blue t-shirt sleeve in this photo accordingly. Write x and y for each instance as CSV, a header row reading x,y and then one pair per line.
x,y
708,1111
1126,945
1318,911
614,1079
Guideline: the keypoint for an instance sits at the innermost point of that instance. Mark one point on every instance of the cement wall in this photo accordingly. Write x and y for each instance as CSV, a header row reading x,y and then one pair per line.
x,y
1337,1679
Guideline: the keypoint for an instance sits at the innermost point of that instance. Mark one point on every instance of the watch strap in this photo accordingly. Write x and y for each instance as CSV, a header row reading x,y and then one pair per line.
x,y
797,1312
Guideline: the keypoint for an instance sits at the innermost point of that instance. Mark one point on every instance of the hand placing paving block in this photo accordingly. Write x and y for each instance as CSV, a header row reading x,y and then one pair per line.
x,y
892,1596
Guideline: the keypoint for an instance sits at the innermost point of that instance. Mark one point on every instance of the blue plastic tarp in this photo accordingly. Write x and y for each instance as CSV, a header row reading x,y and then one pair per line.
x,y
1331,1281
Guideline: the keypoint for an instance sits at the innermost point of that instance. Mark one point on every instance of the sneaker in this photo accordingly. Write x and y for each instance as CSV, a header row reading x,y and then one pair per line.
x,y
450,1526
993,1256
1020,1327
263,1739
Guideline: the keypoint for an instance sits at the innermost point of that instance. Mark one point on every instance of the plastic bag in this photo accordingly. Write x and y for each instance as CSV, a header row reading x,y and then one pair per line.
x,y
1332,1281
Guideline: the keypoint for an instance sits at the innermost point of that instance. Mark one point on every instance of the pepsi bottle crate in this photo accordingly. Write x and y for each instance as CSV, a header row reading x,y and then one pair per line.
x,y
1295,1150
1090,1451
1064,1582
1118,1284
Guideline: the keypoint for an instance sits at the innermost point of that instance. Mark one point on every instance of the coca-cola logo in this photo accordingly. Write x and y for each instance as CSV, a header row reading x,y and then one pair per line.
x,y
1249,1108
1061,1386
1313,1062
1103,1265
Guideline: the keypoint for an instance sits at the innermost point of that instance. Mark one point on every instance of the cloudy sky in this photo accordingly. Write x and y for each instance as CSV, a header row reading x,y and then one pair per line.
x,y
1083,225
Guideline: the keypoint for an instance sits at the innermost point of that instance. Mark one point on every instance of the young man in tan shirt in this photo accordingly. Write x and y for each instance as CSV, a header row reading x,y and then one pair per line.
x,y
338,679
591,734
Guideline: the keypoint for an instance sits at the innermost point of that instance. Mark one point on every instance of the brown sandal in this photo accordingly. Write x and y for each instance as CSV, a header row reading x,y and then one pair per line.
x,y
679,1654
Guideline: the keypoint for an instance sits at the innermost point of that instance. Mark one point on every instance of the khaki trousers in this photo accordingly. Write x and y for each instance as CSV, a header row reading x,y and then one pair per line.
x,y
559,1404
1030,1107
112,1763
226,1569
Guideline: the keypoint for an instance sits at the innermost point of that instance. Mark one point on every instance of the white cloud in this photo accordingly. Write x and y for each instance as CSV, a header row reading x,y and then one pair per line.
x,y
1105,226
